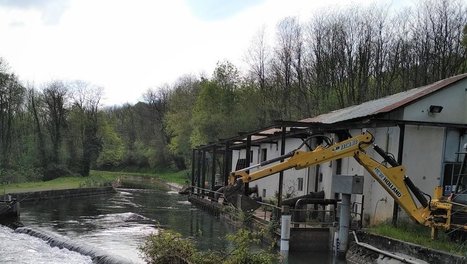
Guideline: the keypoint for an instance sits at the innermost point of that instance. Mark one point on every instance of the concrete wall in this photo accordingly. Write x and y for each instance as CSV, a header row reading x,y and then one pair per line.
x,y
60,194
311,239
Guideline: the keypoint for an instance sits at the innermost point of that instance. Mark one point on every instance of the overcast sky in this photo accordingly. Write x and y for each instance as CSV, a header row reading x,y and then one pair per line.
x,y
128,46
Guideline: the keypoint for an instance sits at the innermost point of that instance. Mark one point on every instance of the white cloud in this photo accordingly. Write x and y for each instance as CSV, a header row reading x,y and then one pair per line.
x,y
129,46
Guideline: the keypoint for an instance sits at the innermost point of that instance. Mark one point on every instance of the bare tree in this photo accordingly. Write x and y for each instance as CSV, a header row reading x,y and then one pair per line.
x,y
11,101
55,95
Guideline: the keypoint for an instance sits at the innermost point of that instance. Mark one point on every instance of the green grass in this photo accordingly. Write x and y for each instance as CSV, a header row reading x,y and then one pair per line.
x,y
420,235
95,179
179,177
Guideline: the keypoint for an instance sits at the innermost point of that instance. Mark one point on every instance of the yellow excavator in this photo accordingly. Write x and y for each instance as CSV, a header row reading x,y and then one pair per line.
x,y
437,212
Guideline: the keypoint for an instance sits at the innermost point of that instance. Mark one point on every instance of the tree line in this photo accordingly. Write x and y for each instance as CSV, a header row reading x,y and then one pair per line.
x,y
337,59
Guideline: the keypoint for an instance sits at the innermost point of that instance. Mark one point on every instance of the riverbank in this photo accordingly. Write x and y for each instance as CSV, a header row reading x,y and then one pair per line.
x,y
95,179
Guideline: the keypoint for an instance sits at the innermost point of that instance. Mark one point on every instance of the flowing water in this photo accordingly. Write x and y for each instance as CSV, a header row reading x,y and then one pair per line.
x,y
21,248
116,224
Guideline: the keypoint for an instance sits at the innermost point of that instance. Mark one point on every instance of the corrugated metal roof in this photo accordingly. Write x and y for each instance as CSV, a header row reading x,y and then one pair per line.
x,y
383,105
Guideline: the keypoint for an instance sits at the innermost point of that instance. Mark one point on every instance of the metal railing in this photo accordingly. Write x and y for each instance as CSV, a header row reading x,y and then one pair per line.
x,y
313,215
202,192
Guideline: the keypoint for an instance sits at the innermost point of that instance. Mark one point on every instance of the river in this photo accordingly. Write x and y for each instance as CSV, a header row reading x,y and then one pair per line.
x,y
117,224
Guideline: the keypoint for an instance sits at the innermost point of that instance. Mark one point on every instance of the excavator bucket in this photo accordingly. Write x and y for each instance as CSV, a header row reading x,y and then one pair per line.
x,y
235,195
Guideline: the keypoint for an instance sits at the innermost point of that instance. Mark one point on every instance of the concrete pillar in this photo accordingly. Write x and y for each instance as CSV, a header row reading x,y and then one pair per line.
x,y
344,222
285,232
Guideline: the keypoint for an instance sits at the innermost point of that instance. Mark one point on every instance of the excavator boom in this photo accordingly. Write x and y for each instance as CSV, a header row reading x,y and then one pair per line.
x,y
434,213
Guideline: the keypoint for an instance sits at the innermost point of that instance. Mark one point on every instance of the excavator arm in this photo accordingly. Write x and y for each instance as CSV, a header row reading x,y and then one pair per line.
x,y
434,213
299,159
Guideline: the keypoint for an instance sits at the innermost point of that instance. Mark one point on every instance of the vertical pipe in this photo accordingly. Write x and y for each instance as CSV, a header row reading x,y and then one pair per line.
x,y
344,222
281,174
400,152
193,164
286,220
213,173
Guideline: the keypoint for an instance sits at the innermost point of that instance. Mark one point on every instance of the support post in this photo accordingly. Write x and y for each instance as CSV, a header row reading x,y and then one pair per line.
x,y
193,165
281,174
213,172
227,163
248,158
203,171
344,222
400,152
198,176
286,220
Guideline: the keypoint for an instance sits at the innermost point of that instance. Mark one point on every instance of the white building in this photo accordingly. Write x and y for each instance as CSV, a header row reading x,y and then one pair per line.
x,y
423,128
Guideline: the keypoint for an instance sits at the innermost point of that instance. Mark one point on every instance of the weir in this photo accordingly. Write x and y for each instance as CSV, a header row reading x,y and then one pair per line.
x,y
54,240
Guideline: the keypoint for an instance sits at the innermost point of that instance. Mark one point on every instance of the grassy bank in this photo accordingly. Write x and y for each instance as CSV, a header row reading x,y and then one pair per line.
x,y
179,177
95,179
420,235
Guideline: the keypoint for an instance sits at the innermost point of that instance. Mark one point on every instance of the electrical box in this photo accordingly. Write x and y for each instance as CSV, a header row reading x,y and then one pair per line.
x,y
347,184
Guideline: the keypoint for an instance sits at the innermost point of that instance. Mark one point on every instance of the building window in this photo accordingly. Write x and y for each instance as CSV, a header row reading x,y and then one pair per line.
x,y
450,175
264,153
300,184
264,192
339,167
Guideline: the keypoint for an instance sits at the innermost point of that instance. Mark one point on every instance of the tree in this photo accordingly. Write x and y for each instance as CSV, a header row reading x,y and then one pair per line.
x,y
34,106
113,147
55,96
177,121
157,101
86,105
11,101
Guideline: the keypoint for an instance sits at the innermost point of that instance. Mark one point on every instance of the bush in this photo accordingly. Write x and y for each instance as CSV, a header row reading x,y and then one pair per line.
x,y
54,171
169,247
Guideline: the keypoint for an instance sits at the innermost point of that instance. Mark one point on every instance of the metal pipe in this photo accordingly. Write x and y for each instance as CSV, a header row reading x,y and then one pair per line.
x,y
344,222
389,254
261,164
286,220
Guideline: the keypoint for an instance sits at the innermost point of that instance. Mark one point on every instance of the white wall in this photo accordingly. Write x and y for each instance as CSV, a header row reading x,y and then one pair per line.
x,y
453,99
271,183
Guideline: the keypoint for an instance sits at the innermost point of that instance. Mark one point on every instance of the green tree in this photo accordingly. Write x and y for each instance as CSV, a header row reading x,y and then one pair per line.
x,y
214,112
113,147
177,121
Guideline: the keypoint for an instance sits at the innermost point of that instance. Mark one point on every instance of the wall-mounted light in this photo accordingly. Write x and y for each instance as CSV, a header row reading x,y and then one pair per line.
x,y
435,109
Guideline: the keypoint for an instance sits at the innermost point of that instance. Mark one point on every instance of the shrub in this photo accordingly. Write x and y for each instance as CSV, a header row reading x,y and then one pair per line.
x,y
168,247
